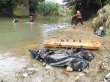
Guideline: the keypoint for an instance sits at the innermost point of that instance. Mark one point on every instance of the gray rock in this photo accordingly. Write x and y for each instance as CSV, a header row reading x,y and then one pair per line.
x,y
47,67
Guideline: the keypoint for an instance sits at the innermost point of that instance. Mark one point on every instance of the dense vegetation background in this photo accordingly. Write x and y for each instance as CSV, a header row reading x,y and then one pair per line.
x,y
33,7
9,7
87,7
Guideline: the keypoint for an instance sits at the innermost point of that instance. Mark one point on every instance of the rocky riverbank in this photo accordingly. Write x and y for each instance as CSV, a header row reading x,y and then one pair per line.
x,y
100,64
102,18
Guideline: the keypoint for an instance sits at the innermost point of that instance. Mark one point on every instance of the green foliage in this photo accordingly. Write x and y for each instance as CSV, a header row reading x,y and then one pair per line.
x,y
87,7
109,1
21,10
48,8
8,2
7,6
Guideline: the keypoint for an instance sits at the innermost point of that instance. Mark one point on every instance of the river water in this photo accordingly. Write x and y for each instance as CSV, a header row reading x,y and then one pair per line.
x,y
16,39
14,35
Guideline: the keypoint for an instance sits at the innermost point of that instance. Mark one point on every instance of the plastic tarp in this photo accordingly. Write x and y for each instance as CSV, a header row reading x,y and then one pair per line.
x,y
76,58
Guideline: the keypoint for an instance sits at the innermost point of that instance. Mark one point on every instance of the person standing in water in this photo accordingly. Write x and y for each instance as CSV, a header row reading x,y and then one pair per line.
x,y
15,21
31,18
78,17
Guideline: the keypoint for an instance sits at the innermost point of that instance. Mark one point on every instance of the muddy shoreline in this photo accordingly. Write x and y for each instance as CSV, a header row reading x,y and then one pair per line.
x,y
99,66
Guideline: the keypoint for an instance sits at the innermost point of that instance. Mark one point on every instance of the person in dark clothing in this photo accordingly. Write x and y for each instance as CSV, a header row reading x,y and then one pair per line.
x,y
78,17
15,21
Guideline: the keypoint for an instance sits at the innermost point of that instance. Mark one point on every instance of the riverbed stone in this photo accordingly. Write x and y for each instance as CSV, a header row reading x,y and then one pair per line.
x,y
24,75
48,67
69,69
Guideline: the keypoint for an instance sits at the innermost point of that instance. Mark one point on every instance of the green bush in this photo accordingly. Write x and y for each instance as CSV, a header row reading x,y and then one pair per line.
x,y
21,10
48,8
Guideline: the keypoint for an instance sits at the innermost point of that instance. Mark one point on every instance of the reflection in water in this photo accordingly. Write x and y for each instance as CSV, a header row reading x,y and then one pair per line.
x,y
31,25
14,26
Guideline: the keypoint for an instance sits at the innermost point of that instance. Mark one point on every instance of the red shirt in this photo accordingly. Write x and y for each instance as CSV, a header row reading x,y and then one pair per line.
x,y
78,15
